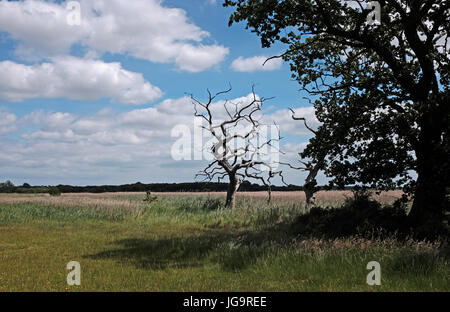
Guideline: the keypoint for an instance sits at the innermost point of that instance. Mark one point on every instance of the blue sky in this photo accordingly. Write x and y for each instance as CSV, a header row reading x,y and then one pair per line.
x,y
95,103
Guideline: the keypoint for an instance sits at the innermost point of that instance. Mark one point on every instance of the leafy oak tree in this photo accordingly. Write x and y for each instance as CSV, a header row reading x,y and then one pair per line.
x,y
380,89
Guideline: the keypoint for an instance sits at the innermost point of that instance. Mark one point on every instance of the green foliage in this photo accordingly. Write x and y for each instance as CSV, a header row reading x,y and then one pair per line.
x,y
362,216
32,190
54,191
381,92
359,215
7,187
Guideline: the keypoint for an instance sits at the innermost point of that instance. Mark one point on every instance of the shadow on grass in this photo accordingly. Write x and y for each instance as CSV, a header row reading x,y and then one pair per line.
x,y
232,251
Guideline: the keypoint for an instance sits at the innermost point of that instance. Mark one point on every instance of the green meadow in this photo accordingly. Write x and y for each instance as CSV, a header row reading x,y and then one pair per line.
x,y
185,242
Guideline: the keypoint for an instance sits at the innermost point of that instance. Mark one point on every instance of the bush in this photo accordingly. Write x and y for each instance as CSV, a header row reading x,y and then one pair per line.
x,y
149,197
359,215
54,191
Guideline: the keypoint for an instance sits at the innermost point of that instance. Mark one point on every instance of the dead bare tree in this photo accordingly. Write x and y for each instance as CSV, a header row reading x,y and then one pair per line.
x,y
310,185
239,149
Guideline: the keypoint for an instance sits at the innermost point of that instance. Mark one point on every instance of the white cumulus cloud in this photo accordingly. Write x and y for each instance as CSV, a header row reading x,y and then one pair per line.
x,y
120,147
74,78
144,29
255,63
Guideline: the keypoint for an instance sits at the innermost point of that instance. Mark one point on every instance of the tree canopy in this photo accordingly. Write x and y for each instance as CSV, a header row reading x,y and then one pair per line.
x,y
381,90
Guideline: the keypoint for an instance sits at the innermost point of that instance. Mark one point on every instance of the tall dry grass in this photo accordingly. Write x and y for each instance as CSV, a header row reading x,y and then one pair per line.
x,y
88,200
326,198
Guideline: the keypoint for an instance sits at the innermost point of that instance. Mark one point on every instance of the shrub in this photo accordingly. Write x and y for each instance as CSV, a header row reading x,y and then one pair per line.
x,y
359,215
149,197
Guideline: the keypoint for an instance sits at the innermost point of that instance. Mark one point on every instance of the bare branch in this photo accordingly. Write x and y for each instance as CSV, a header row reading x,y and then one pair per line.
x,y
304,121
238,155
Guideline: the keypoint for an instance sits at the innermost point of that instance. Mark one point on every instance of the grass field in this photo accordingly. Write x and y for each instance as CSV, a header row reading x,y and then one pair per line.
x,y
181,242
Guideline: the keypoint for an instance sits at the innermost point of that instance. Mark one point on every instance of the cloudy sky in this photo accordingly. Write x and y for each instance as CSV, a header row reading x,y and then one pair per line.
x,y
94,100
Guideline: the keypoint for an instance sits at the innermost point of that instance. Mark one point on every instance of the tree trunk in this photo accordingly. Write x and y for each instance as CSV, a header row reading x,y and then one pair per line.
x,y
309,189
430,197
310,186
233,186
430,201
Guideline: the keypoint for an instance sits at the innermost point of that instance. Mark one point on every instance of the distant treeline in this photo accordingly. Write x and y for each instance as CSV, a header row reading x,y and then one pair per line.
x,y
170,187
9,187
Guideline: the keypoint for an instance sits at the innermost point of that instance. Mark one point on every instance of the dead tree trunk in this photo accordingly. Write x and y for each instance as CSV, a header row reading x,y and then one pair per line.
x,y
233,187
237,149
